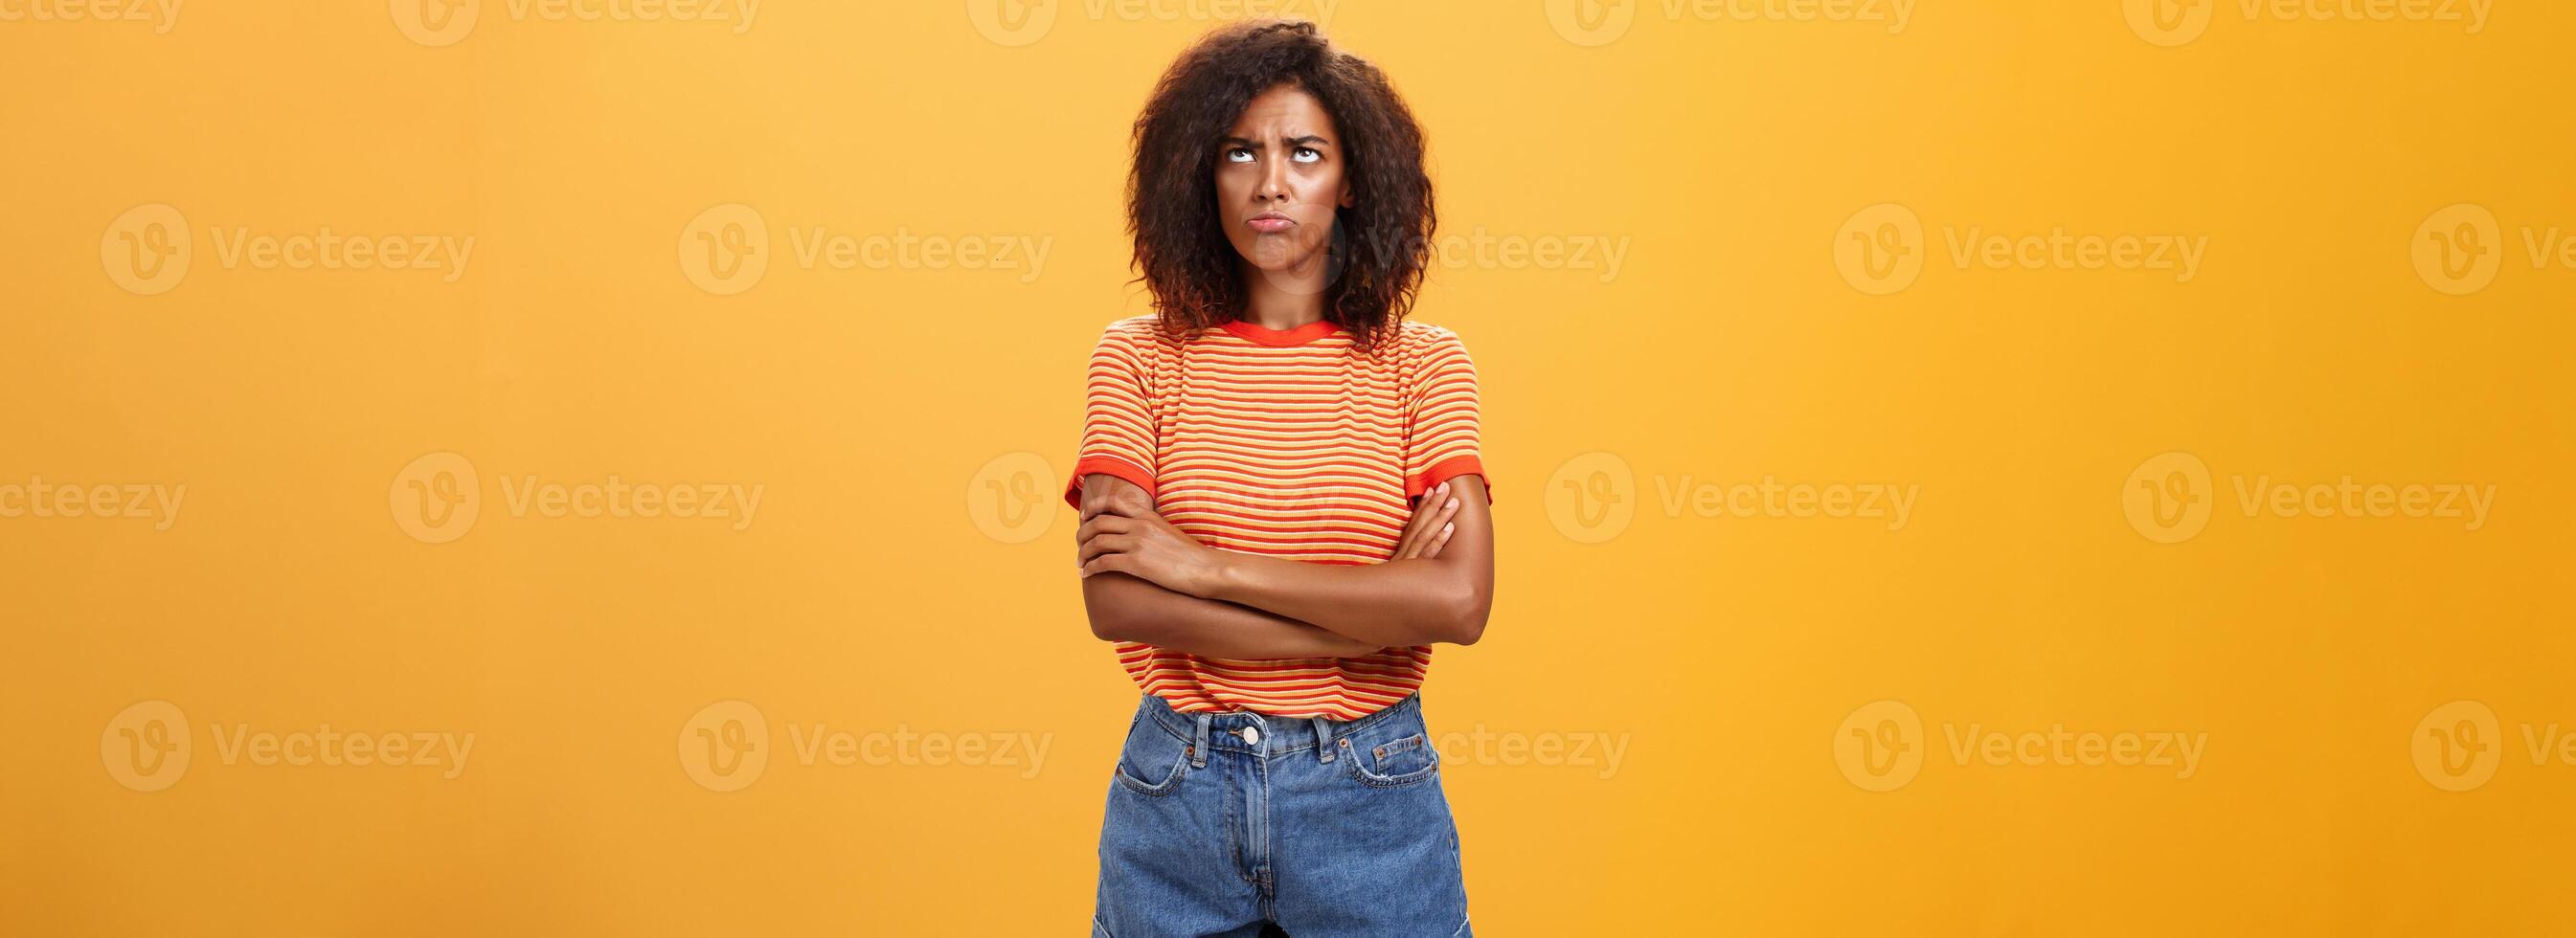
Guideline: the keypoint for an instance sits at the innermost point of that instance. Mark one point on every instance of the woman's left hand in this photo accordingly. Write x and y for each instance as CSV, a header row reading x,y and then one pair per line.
x,y
1136,541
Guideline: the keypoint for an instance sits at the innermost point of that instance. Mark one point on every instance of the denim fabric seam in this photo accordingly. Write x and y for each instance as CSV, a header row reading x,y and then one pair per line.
x,y
1415,777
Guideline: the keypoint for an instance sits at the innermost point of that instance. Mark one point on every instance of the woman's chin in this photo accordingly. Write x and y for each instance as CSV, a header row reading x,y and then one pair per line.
x,y
1280,256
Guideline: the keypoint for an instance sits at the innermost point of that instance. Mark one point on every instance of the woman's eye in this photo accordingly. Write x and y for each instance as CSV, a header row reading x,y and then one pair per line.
x,y
1238,155
1307,155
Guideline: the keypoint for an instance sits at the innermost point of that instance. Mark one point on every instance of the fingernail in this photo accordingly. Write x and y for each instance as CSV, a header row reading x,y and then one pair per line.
x,y
1446,528
1453,503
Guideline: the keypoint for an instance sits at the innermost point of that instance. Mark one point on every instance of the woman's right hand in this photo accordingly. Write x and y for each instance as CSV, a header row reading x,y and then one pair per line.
x,y
1430,527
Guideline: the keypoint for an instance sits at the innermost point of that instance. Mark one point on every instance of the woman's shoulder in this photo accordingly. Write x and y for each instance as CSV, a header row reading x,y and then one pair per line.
x,y
1135,333
1132,327
1145,324
1416,339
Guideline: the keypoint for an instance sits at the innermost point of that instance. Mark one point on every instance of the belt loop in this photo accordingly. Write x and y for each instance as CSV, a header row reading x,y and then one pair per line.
x,y
1198,749
1324,738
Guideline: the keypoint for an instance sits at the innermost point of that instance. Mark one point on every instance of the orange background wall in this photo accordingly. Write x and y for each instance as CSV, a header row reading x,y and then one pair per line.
x,y
850,257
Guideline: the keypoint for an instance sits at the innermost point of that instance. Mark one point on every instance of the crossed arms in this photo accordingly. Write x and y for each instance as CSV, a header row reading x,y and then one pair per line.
x,y
1143,580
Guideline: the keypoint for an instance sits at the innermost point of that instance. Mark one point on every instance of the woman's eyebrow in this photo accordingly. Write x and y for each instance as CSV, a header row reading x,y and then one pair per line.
x,y
1290,141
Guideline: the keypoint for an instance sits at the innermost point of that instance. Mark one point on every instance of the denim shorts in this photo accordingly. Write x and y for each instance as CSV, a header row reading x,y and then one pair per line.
x,y
1230,823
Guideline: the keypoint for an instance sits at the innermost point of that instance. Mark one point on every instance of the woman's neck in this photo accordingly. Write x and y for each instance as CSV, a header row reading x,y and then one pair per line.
x,y
1285,299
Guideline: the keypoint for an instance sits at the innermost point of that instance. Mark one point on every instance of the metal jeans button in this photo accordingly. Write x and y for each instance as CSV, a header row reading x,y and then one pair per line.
x,y
1251,736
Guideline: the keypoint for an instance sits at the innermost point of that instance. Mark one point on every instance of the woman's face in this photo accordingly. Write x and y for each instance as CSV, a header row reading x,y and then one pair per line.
x,y
1279,178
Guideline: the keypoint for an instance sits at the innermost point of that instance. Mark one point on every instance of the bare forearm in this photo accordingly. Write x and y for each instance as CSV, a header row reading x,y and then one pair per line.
x,y
1422,597
1415,601
1124,608
1402,602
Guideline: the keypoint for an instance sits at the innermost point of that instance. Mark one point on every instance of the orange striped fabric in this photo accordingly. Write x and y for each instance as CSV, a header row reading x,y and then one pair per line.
x,y
1289,444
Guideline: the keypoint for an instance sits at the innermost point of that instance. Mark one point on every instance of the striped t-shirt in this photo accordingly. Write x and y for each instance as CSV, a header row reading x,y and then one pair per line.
x,y
1289,444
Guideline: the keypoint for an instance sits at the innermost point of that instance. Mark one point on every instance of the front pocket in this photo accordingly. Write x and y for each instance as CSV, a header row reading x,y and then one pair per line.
x,y
1404,760
1152,760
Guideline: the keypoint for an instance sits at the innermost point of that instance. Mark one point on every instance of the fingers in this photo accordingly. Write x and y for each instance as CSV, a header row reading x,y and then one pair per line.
x,y
1108,563
1105,534
1105,516
1448,509
1410,544
1108,544
1440,540
1104,524
1417,529
1433,523
1127,503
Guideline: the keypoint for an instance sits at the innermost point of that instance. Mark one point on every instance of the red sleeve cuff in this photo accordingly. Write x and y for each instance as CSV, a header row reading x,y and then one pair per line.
x,y
1105,466
1446,470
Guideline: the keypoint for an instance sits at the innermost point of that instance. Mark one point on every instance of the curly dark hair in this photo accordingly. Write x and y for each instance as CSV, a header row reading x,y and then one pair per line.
x,y
1381,244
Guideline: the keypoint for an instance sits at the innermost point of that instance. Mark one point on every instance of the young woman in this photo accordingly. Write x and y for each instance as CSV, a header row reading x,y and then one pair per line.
x,y
1283,508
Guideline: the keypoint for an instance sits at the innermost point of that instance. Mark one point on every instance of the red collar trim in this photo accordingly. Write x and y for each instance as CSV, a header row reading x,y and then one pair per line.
x,y
1297,336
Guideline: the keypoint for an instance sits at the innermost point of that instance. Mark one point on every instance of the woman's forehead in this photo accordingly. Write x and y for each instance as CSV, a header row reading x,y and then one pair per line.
x,y
1284,111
